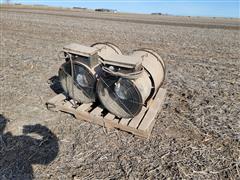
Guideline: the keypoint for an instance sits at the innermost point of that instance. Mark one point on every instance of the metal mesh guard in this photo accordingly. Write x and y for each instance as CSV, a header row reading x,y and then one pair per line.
x,y
126,108
83,94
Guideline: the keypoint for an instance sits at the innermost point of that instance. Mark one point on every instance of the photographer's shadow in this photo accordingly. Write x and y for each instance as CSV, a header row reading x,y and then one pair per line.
x,y
18,153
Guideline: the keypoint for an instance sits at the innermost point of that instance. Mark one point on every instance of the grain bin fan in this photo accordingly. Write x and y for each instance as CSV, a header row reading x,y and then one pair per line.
x,y
129,82
111,89
78,75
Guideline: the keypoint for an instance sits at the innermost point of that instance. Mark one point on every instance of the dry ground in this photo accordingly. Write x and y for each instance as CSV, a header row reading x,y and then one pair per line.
x,y
196,135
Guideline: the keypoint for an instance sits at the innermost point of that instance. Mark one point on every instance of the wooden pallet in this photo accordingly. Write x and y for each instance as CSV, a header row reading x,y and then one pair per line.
x,y
141,125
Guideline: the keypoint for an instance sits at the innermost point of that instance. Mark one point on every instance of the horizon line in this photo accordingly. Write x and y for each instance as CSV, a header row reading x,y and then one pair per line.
x,y
130,12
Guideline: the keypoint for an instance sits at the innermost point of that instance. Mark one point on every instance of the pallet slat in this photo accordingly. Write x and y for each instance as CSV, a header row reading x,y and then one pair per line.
x,y
109,116
136,120
125,121
97,111
68,104
57,98
84,107
141,125
150,117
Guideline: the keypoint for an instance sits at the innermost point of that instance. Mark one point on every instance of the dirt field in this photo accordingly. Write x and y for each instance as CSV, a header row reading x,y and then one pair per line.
x,y
196,135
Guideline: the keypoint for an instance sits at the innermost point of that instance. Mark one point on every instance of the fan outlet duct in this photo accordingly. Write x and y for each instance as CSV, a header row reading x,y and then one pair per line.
x,y
129,82
78,75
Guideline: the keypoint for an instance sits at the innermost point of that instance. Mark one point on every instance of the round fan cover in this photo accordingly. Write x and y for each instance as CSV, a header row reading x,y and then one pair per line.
x,y
120,96
83,88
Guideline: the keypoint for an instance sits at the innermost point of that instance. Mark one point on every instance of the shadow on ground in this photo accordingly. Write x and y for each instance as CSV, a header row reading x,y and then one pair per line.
x,y
55,84
19,153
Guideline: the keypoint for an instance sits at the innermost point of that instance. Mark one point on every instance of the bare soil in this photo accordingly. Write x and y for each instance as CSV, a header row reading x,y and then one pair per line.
x,y
196,135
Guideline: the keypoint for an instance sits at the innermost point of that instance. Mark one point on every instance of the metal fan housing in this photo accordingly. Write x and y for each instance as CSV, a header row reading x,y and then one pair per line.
x,y
78,75
130,82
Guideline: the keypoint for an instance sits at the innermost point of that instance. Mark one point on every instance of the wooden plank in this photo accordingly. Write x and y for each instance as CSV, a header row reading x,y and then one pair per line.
x,y
83,115
111,121
84,107
56,99
141,125
67,107
97,111
136,120
149,119
68,104
53,103
109,116
125,121
112,124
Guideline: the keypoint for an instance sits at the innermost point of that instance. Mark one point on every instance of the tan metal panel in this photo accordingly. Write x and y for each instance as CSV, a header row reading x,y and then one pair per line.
x,y
121,60
154,64
80,49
